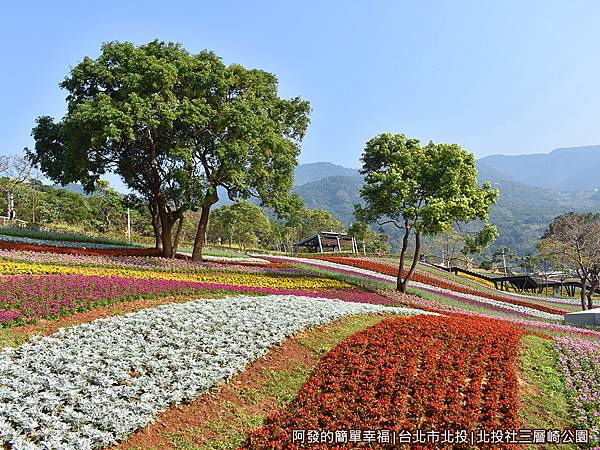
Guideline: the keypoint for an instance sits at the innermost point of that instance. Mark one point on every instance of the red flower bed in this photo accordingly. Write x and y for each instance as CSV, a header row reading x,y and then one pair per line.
x,y
80,251
421,278
427,373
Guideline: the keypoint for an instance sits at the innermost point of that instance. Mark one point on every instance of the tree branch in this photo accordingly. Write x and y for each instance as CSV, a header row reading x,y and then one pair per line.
x,y
390,221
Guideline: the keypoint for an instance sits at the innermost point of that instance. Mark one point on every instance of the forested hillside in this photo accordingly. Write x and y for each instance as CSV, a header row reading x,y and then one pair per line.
x,y
521,214
338,195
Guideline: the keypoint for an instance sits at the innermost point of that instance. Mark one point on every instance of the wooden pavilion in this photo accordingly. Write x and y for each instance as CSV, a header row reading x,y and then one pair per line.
x,y
327,241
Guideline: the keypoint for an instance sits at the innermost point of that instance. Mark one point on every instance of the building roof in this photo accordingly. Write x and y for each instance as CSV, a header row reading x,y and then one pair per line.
x,y
323,235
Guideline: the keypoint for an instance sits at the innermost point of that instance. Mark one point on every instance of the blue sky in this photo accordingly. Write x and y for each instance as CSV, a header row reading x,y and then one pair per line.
x,y
495,77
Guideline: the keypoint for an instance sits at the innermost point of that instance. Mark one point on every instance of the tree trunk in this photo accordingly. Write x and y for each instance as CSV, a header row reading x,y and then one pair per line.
x,y
166,226
201,233
155,224
400,286
167,244
414,261
582,294
590,293
178,234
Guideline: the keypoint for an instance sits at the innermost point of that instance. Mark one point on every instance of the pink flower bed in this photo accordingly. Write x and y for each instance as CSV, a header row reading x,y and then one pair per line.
x,y
24,298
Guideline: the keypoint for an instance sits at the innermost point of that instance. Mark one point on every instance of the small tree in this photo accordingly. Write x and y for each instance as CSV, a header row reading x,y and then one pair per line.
x,y
502,256
574,240
363,232
242,221
420,190
251,225
382,241
18,170
314,220
448,246
374,241
107,205
529,262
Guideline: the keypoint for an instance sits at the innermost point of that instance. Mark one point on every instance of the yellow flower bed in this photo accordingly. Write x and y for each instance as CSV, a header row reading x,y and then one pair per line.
x,y
232,278
477,280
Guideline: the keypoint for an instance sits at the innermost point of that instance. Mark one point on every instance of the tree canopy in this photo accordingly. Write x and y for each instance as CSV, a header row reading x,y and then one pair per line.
x,y
426,189
175,126
242,222
573,240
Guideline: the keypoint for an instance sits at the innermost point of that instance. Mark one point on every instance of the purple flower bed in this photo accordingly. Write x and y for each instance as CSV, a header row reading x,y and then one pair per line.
x,y
24,298
580,364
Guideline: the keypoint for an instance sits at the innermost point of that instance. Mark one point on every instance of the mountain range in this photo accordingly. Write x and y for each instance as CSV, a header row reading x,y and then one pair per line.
x,y
533,190
564,169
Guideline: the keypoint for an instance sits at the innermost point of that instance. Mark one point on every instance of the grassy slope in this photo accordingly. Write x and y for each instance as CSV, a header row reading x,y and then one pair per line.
x,y
544,402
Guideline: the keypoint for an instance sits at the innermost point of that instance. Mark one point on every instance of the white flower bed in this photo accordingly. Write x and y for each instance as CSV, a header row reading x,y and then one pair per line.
x,y
68,244
234,259
505,305
229,258
93,384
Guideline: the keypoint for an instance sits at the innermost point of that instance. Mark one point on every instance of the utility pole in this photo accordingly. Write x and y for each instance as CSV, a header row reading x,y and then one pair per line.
x,y
128,225
504,261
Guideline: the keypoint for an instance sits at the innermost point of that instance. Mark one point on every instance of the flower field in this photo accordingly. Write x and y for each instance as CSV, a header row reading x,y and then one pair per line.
x,y
580,363
145,262
450,362
407,374
25,241
25,298
504,306
76,248
90,385
233,278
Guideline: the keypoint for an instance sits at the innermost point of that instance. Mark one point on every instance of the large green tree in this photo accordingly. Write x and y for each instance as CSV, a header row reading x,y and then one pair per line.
x,y
175,126
421,190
